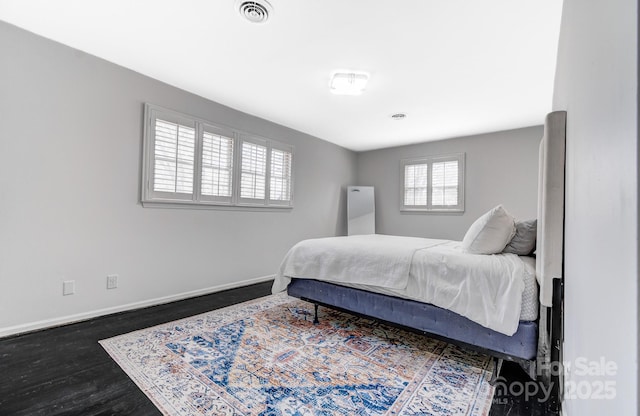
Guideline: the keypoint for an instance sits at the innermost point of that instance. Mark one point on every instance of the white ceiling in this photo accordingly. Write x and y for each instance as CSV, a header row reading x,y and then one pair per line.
x,y
455,67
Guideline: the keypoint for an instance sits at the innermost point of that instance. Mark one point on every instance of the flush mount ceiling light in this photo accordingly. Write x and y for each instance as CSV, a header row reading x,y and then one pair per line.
x,y
254,11
348,83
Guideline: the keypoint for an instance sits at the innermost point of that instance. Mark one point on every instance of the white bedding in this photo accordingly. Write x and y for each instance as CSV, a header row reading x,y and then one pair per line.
x,y
488,289
374,259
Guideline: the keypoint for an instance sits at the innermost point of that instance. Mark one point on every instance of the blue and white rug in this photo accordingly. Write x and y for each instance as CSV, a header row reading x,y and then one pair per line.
x,y
266,357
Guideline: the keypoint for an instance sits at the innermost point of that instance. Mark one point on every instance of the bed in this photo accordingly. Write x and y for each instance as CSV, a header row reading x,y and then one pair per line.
x,y
425,284
456,307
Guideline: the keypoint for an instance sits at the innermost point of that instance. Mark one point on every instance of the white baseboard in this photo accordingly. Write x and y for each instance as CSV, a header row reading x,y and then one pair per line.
x,y
69,319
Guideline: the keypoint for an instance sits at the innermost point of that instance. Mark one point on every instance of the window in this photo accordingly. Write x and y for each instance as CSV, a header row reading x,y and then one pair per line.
x,y
280,186
217,165
433,183
254,171
192,162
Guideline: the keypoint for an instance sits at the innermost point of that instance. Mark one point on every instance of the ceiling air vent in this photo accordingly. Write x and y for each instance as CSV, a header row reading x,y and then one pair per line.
x,y
254,11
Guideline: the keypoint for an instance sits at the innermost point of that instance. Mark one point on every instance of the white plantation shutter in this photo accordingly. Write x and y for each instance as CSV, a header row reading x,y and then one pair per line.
x,y
415,184
253,171
444,188
192,162
433,183
217,166
174,152
280,176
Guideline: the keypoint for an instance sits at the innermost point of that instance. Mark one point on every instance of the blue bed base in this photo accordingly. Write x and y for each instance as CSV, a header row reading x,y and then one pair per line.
x,y
521,347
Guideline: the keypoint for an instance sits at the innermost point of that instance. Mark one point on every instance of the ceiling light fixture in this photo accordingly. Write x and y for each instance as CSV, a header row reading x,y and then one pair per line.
x,y
348,83
254,11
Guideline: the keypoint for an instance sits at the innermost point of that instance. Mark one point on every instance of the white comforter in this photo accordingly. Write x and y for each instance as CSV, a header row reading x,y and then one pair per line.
x,y
487,289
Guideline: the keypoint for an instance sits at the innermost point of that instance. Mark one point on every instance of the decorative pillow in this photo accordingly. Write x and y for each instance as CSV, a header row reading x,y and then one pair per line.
x,y
490,233
524,242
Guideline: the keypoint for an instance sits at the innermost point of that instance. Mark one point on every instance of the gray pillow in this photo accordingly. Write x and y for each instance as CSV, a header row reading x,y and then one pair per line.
x,y
524,242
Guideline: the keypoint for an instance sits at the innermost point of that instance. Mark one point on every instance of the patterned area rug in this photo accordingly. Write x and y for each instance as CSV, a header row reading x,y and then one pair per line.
x,y
266,357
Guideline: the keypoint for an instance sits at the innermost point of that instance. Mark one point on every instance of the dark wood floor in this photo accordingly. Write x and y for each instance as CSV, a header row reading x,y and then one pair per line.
x,y
64,371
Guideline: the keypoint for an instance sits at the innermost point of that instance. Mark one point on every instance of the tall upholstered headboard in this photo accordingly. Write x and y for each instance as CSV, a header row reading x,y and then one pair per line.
x,y
549,250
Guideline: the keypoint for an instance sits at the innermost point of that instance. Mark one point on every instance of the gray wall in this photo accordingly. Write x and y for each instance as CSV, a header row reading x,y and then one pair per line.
x,y
70,163
597,83
501,168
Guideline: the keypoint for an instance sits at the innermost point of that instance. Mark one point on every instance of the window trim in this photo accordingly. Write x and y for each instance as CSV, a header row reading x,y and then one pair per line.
x,y
157,199
429,161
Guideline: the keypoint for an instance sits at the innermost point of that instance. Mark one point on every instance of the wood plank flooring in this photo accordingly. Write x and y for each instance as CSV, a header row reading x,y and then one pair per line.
x,y
64,371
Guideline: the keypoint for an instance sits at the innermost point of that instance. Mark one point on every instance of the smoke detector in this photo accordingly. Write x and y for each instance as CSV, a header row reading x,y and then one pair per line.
x,y
254,11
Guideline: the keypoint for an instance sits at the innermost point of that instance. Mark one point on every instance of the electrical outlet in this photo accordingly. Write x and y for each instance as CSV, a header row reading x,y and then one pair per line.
x,y
112,281
68,287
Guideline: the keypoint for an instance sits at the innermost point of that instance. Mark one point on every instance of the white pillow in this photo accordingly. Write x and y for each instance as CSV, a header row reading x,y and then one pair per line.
x,y
490,233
